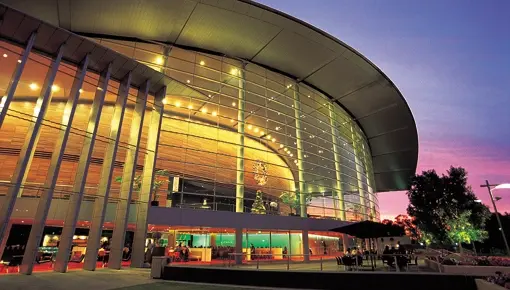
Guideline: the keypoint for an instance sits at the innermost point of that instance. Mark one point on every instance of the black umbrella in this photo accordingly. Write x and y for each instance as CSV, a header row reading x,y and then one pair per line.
x,y
369,230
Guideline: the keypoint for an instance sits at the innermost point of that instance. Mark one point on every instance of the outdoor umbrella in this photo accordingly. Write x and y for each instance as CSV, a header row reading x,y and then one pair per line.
x,y
369,230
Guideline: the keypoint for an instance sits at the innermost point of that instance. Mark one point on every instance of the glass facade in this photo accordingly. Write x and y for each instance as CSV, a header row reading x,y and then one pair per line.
x,y
210,244
240,129
294,139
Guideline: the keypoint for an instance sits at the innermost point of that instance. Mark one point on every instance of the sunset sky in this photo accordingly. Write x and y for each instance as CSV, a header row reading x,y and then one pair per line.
x,y
451,61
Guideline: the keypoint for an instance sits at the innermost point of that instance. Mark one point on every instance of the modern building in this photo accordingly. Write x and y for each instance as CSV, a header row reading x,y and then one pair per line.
x,y
215,124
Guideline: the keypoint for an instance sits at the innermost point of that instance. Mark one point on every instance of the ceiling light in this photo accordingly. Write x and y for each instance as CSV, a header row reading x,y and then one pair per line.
x,y
262,133
274,139
33,86
285,149
159,60
249,127
55,88
19,60
5,54
188,81
291,155
281,145
233,104
178,104
256,130
234,71
190,106
80,91
204,110
202,62
214,113
231,120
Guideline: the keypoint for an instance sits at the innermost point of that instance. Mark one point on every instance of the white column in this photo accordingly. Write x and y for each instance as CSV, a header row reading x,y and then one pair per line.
x,y
240,143
105,179
30,144
74,205
340,210
11,89
13,84
299,148
137,256
51,179
3,243
126,186
306,246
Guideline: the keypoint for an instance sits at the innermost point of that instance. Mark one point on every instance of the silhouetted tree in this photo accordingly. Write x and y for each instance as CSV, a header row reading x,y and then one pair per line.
x,y
434,199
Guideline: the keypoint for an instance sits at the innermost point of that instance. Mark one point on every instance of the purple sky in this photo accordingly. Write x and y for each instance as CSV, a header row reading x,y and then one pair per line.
x,y
451,61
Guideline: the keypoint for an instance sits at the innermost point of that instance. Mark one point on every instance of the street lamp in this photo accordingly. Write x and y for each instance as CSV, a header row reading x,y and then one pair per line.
x,y
498,186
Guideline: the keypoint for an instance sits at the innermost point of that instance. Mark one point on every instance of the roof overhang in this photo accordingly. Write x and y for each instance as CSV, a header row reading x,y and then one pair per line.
x,y
251,31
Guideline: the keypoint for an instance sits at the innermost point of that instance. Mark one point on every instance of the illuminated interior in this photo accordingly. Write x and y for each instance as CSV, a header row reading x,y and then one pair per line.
x,y
199,136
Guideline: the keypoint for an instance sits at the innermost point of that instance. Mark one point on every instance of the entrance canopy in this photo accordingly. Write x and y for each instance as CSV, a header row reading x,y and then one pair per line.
x,y
369,229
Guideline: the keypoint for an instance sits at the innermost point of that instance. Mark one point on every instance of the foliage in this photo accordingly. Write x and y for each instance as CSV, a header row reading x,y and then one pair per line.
x,y
157,183
435,199
405,222
292,200
356,211
426,238
258,205
460,229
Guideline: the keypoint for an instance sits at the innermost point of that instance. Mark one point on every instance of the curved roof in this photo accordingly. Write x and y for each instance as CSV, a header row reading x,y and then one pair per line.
x,y
251,31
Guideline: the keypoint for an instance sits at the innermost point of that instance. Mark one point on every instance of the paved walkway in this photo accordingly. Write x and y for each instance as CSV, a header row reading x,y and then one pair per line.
x,y
103,279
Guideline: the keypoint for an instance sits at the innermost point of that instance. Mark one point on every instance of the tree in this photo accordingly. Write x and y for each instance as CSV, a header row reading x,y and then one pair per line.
x,y
157,183
406,222
460,229
258,205
433,200
292,200
356,211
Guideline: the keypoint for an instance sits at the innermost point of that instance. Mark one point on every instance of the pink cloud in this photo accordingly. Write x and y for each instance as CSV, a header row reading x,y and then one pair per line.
x,y
482,162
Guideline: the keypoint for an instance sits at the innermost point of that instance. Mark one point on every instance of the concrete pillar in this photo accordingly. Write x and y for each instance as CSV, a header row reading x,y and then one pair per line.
x,y
359,176
51,179
137,257
340,203
238,250
345,241
73,209
299,148
126,186
3,242
30,144
13,83
240,143
212,238
105,180
306,246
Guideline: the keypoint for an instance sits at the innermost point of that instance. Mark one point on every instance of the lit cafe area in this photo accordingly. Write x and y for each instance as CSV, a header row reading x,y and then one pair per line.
x,y
217,245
